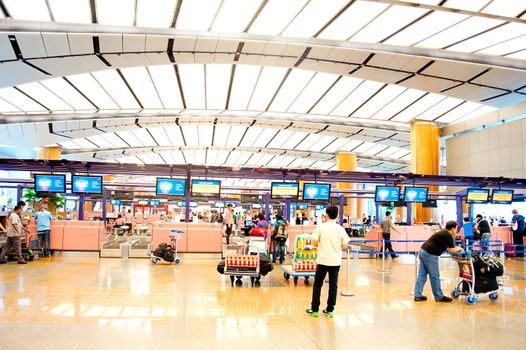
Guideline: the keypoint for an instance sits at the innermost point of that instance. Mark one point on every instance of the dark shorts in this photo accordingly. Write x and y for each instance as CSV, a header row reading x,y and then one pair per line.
x,y
228,230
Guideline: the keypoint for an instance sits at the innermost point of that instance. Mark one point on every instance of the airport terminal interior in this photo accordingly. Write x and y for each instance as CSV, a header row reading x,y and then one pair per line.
x,y
183,174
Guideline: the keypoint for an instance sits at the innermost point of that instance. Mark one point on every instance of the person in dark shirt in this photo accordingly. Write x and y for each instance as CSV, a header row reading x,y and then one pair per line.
x,y
298,219
484,231
518,228
429,256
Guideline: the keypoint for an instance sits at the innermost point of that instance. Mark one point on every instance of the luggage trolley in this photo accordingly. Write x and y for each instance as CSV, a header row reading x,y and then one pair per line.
x,y
468,281
242,260
303,261
175,237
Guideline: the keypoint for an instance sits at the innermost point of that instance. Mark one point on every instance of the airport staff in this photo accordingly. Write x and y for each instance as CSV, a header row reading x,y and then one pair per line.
x,y
429,262
229,221
330,239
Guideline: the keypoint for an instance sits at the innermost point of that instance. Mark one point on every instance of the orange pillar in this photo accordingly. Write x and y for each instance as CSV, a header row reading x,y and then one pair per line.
x,y
346,161
49,153
425,158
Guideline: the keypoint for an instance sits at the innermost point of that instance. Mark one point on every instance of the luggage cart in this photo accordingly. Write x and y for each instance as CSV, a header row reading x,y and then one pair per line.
x,y
242,260
303,260
175,237
467,277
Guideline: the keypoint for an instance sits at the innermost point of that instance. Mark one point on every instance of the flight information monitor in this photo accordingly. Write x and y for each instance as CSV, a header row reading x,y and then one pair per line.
x,y
282,190
209,188
477,195
219,204
50,183
316,191
502,197
170,187
86,184
256,206
155,202
387,194
415,194
303,206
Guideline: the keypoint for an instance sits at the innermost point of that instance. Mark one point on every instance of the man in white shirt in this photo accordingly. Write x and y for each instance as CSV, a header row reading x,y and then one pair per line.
x,y
330,238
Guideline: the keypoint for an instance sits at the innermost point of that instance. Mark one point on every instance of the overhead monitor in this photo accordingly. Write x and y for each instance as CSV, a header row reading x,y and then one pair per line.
x,y
219,204
256,206
415,194
155,202
86,184
209,188
319,207
115,202
387,194
477,195
430,203
502,197
284,190
183,204
50,183
302,206
143,202
170,187
316,191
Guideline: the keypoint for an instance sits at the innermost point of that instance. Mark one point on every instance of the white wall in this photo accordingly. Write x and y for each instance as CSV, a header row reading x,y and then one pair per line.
x,y
495,151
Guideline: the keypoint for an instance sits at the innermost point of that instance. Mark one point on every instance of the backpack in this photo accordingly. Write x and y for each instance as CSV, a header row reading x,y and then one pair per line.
x,y
281,234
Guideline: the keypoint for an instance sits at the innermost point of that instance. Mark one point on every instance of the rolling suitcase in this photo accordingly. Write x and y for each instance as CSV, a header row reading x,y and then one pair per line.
x,y
510,251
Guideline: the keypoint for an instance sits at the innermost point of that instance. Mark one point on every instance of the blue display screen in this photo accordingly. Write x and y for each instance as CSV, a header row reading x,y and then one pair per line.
x,y
387,194
320,207
415,194
316,191
302,206
170,187
183,204
155,202
219,204
116,202
256,206
86,184
50,183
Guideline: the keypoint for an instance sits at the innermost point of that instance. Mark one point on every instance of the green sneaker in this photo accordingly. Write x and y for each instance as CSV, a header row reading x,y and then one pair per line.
x,y
329,313
312,313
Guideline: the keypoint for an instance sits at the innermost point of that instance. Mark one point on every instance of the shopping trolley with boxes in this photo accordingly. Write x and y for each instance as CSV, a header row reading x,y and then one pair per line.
x,y
242,260
479,275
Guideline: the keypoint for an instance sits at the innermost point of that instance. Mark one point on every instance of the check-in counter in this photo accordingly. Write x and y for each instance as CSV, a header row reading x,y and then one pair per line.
x,y
82,235
161,232
204,238
56,234
409,233
502,233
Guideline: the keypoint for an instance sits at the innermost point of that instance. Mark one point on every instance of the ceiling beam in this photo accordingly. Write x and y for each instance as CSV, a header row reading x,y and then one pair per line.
x,y
95,29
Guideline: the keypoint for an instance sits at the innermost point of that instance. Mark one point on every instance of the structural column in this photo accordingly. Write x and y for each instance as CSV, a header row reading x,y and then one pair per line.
x,y
425,158
49,153
346,161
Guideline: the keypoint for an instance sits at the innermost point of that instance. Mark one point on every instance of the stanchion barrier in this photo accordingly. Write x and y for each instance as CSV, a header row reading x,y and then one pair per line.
x,y
347,292
383,269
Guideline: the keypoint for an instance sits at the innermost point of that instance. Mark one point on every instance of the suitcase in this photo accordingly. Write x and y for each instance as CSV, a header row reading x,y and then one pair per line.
x,y
485,284
509,251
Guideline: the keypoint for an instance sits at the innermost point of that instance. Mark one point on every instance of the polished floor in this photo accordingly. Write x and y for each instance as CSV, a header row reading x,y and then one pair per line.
x,y
78,301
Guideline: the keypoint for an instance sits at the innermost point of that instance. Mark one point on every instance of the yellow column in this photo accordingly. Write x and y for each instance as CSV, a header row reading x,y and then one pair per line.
x,y
346,161
425,158
49,153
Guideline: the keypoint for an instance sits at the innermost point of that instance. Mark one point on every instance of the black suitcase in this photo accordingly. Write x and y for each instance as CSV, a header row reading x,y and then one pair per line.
x,y
485,284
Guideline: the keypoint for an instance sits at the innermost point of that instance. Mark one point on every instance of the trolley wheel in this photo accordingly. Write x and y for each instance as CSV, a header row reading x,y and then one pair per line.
x,y
232,278
307,280
177,260
286,276
239,283
455,294
494,296
296,280
257,283
471,299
